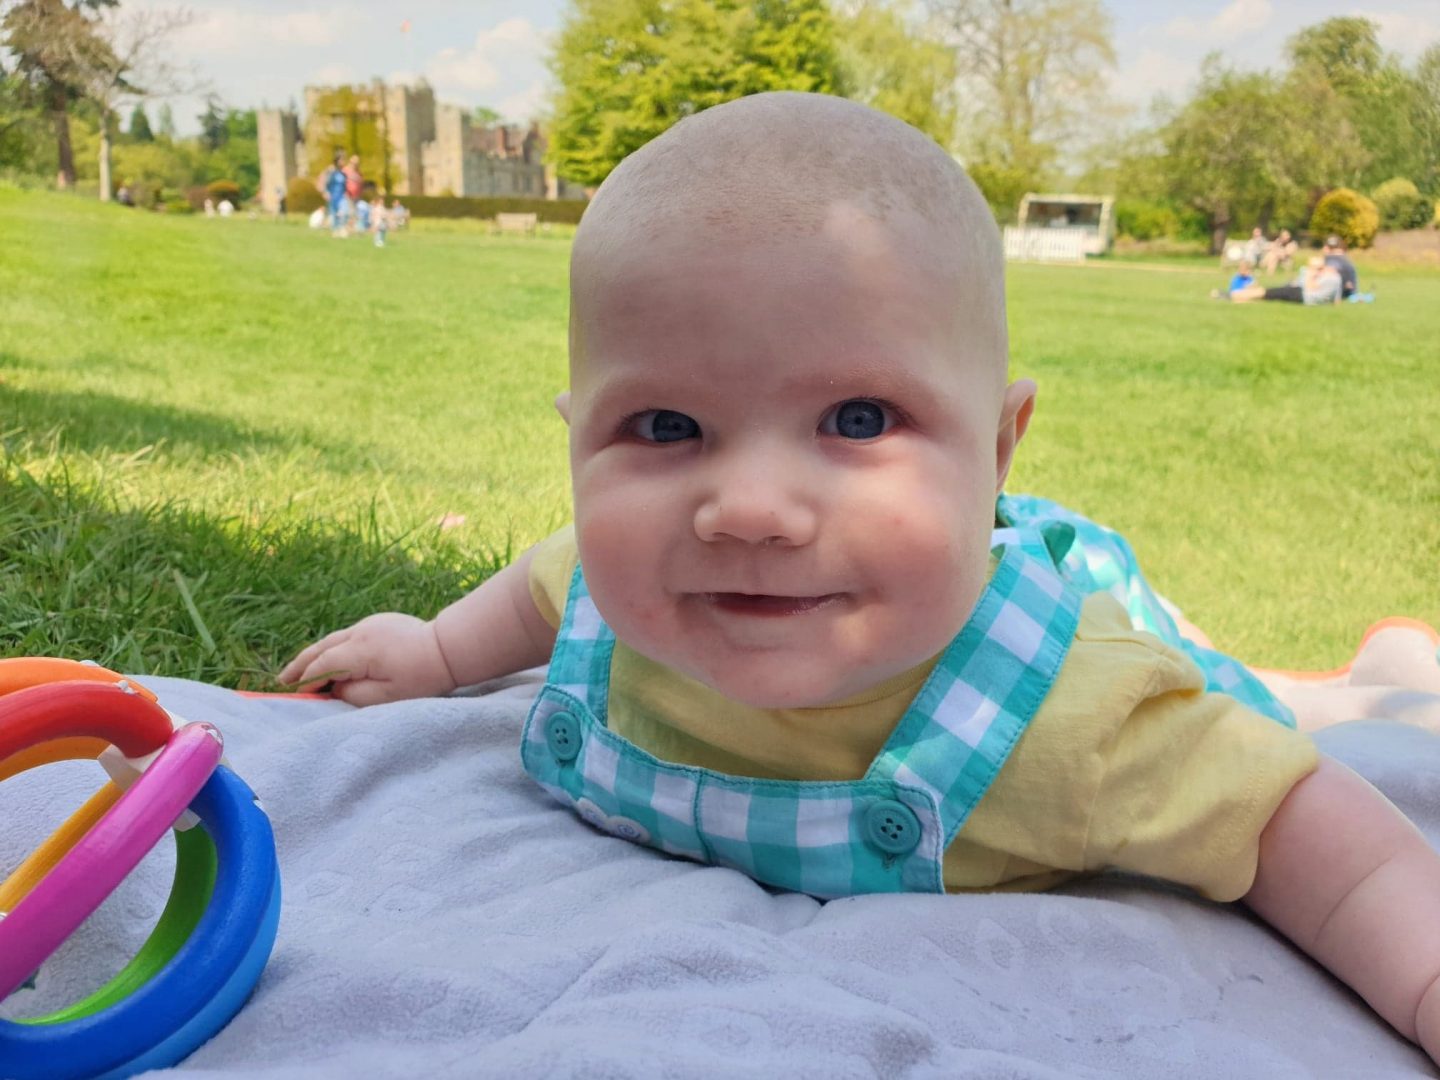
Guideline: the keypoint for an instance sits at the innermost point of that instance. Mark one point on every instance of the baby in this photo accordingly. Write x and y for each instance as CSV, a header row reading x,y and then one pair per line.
x,y
785,635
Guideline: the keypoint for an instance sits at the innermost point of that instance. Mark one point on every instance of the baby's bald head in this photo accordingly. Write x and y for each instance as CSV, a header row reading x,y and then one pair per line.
x,y
781,167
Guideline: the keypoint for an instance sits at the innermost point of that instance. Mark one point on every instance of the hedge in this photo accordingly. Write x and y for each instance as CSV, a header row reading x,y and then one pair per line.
x,y
1347,214
302,196
1401,205
560,211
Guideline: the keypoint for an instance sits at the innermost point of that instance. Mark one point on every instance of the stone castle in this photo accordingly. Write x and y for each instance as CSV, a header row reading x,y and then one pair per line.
x,y
408,143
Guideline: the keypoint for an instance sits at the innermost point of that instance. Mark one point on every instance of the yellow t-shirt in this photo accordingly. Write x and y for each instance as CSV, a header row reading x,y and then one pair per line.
x,y
1128,763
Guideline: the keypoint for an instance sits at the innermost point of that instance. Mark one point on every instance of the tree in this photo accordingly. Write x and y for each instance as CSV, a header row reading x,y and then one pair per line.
x,y
1381,99
1033,74
626,70
213,131
55,46
1347,49
888,64
1427,118
484,116
238,158
140,124
166,121
1249,146
134,63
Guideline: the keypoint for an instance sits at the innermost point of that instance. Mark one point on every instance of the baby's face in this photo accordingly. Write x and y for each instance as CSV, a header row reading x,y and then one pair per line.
x,y
784,461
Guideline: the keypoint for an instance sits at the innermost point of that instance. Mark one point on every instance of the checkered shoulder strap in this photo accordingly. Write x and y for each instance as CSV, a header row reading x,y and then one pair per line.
x,y
580,662
1094,558
988,684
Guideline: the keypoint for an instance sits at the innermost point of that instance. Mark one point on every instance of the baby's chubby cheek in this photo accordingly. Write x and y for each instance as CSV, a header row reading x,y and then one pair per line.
x,y
622,559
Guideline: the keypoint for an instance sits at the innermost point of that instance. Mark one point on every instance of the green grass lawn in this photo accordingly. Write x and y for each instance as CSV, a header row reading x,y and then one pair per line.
x,y
221,437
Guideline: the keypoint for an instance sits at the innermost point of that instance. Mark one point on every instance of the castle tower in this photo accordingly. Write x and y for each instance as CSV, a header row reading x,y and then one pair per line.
x,y
277,133
409,124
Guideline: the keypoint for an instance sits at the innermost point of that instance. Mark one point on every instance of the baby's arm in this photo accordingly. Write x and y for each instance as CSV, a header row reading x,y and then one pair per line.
x,y
1350,880
494,630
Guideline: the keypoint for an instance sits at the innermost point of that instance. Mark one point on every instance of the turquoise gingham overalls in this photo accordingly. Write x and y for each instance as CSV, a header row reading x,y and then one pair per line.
x,y
1096,559
887,831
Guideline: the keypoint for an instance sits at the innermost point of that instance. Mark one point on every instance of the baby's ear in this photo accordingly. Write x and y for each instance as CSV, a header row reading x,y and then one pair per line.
x,y
1015,413
562,405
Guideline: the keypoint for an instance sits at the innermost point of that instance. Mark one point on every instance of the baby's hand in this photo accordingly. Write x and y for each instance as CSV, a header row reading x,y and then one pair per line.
x,y
385,657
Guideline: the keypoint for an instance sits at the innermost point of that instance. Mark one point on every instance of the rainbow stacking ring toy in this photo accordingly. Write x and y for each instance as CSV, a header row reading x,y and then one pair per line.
x,y
200,963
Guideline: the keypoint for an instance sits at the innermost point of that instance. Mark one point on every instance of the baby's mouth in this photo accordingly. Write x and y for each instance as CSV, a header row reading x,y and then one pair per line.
x,y
766,605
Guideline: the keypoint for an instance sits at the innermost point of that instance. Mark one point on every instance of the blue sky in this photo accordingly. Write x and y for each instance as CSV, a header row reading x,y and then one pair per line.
x,y
490,52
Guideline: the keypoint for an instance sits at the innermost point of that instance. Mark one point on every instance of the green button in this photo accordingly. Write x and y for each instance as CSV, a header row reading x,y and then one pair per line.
x,y
562,734
1059,537
892,827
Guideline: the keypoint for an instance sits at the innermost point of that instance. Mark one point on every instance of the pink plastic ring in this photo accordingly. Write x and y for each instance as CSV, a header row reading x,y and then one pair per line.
x,y
96,865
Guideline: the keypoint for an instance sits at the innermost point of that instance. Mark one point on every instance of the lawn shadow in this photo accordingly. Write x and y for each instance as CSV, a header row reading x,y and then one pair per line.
x,y
168,590
97,423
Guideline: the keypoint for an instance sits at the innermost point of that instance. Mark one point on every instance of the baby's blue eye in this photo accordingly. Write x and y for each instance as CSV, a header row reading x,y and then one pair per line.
x,y
664,426
856,420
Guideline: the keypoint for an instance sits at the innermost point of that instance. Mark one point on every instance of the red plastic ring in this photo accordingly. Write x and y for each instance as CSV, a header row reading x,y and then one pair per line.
x,y
63,710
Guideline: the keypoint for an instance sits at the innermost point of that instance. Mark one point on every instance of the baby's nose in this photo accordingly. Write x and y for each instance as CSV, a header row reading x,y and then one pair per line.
x,y
755,507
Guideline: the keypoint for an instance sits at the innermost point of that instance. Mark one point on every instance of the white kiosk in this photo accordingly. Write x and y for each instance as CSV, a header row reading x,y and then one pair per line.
x,y
1061,228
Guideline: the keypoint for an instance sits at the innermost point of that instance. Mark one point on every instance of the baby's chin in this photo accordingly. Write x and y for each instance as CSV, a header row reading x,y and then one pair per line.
x,y
780,685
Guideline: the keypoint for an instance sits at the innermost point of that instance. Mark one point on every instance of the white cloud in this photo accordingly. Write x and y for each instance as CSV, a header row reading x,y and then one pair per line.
x,y
1407,34
1153,72
470,71
227,29
524,106
493,60
332,75
1234,21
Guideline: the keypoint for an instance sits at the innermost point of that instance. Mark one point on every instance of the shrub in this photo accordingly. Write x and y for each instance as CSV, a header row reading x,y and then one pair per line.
x,y
175,204
224,189
1141,220
1401,205
559,211
1348,215
1003,187
302,196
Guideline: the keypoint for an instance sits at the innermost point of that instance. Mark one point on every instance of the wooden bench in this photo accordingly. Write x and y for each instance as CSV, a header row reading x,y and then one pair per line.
x,y
516,223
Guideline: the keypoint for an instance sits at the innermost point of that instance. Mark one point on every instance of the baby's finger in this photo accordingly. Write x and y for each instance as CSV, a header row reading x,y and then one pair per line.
x,y
364,692
291,672
339,664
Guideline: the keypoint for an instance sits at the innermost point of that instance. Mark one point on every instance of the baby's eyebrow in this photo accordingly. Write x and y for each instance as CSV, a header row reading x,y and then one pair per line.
x,y
879,380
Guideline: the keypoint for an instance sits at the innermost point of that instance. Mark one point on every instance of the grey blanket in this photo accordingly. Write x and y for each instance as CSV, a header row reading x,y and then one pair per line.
x,y
444,918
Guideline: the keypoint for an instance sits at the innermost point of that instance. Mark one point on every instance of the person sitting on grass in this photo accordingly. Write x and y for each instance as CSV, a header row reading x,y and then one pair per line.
x,y
784,633
1244,277
1256,246
1280,254
1334,255
1316,284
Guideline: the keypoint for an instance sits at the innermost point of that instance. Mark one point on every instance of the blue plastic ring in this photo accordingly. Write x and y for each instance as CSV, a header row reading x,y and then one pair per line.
x,y
202,970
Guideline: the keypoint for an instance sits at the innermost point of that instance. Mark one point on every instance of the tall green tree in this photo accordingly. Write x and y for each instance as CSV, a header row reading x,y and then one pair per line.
x,y
889,62
55,46
213,130
1033,74
1249,147
1346,49
1427,118
1380,97
140,130
165,121
626,70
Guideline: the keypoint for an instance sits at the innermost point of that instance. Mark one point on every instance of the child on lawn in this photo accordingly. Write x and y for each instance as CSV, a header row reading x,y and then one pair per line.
x,y
785,635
